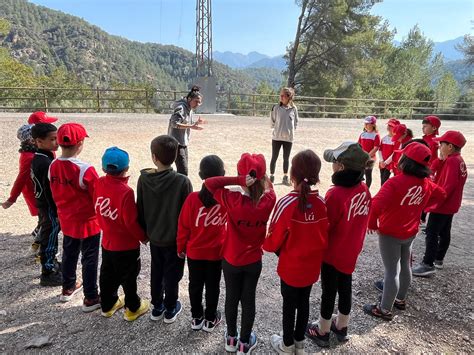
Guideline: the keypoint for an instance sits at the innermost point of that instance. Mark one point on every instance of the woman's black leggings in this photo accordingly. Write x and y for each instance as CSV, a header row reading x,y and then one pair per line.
x,y
276,145
240,286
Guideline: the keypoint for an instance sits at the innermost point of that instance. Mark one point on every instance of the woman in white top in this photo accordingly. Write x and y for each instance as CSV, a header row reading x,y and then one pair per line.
x,y
284,119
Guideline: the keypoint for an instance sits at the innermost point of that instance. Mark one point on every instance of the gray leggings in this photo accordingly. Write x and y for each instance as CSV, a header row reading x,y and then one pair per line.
x,y
396,260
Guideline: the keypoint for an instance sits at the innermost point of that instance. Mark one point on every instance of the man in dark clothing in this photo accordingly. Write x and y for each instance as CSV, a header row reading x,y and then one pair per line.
x,y
161,193
44,135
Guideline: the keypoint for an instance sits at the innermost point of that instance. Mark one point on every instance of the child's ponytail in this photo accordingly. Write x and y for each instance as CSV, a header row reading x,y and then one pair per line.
x,y
305,168
194,93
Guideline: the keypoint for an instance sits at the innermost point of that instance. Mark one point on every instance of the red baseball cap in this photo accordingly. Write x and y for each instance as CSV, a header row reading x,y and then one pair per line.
x,y
454,137
434,121
393,122
398,132
249,162
370,120
70,134
40,117
417,152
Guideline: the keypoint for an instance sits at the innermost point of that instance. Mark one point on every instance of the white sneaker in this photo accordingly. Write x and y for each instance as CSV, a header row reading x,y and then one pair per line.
x,y
279,346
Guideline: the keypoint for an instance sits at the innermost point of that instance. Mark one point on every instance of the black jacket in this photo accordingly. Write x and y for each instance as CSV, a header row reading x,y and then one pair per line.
x,y
160,196
39,174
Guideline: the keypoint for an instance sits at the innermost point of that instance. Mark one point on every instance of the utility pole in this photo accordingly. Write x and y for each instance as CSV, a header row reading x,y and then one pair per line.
x,y
204,73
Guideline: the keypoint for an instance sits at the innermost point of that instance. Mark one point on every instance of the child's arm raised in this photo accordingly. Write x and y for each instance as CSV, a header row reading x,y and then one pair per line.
x,y
219,182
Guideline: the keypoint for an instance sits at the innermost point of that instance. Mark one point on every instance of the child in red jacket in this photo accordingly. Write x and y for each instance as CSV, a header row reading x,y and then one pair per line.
x,y
23,183
114,204
395,216
247,215
201,232
401,136
298,234
430,127
72,182
348,204
369,139
451,175
387,146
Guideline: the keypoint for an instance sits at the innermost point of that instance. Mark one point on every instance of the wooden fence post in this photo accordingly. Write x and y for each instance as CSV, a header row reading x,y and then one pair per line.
x,y
98,100
385,110
228,102
45,100
324,108
146,100
253,105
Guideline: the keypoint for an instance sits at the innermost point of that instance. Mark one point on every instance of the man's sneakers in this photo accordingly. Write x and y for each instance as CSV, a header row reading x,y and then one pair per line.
x,y
90,304
172,315
231,343
52,278
119,304
314,333
130,316
157,313
438,264
375,311
68,294
279,346
423,270
209,325
246,348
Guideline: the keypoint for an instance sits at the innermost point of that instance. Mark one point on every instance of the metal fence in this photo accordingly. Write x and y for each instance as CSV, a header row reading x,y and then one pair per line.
x,y
141,100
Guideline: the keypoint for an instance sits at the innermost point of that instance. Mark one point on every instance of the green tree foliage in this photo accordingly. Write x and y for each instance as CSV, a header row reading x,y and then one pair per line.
x,y
447,90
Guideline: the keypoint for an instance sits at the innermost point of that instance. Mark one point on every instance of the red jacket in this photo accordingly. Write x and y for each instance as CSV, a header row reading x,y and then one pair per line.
x,y
397,155
369,140
451,175
386,151
433,145
348,215
114,204
23,184
397,207
72,182
246,223
299,237
201,230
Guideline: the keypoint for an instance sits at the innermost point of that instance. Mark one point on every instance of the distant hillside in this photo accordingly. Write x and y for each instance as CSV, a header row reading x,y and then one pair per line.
x,y
277,62
46,39
237,60
271,76
448,48
460,70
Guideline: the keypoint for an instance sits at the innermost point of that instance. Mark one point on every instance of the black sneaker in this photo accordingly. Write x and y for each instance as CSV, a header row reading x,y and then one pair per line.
x,y
375,311
286,181
438,264
423,270
171,315
197,323
157,313
53,278
341,334
379,285
246,348
272,179
313,333
209,326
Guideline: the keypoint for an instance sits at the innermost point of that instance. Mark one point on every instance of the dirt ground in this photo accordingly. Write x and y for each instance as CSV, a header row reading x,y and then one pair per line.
x,y
440,311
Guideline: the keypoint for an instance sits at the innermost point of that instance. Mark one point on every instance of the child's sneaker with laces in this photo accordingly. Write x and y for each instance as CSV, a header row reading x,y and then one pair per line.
x,y
118,304
314,333
231,343
157,313
90,304
423,270
341,334
246,348
172,315
197,323
130,316
209,325
68,294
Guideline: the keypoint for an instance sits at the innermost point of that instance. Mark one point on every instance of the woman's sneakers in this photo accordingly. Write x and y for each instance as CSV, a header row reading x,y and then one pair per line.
x,y
279,346
246,348
375,311
209,326
130,316
314,333
118,305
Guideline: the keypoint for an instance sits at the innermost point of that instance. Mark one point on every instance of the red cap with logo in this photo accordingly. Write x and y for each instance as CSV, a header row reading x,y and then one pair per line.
x,y
454,137
70,134
398,132
434,121
40,117
393,122
252,162
417,152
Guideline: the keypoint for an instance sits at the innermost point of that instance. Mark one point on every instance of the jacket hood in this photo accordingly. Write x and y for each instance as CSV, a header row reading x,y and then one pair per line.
x,y
182,102
158,181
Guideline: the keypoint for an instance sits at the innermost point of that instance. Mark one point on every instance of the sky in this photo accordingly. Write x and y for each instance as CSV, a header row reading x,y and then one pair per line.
x,y
265,26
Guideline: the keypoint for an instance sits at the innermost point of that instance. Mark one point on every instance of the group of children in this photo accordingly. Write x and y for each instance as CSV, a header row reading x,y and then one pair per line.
x,y
224,228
